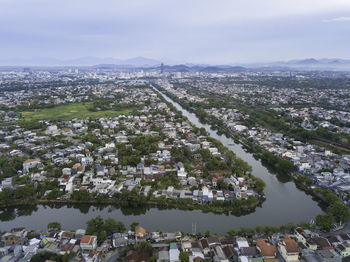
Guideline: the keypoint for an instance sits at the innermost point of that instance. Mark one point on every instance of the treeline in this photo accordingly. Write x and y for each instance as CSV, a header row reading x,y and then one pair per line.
x,y
336,210
27,194
268,230
278,165
283,124
310,83
18,86
110,104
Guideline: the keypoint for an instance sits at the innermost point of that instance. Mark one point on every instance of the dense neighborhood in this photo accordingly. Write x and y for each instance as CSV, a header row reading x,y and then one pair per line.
x,y
150,153
138,244
111,138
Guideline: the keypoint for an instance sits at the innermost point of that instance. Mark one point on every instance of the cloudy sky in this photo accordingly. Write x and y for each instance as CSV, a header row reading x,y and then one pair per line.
x,y
197,31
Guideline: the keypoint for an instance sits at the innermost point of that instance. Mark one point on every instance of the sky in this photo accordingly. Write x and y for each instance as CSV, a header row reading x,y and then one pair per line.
x,y
192,31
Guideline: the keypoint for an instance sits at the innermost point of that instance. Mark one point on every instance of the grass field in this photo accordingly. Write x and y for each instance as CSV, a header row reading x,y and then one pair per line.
x,y
70,111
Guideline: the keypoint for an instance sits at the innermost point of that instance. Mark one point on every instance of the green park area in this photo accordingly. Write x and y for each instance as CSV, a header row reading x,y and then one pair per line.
x,y
70,111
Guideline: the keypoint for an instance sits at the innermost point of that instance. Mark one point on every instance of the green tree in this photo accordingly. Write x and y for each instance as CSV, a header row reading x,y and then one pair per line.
x,y
324,221
232,232
184,257
133,225
111,226
339,211
94,225
146,246
54,226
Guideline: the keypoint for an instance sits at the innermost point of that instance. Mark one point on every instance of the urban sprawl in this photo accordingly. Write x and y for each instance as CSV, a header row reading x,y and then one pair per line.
x,y
110,137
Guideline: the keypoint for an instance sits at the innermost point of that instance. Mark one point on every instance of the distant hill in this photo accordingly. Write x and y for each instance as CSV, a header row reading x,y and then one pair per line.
x,y
149,63
205,68
309,61
83,61
305,64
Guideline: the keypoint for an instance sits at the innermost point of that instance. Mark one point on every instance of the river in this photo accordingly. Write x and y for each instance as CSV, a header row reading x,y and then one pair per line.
x,y
284,203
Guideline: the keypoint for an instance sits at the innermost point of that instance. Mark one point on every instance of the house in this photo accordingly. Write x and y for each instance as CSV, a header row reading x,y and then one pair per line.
x,y
288,249
301,235
174,253
220,254
213,241
205,246
30,163
181,173
140,232
6,183
88,243
186,246
120,240
318,243
249,252
266,250
321,255
343,249
17,236
230,252
163,254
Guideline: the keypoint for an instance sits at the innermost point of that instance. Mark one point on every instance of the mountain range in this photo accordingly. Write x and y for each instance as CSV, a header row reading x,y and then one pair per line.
x,y
83,61
304,64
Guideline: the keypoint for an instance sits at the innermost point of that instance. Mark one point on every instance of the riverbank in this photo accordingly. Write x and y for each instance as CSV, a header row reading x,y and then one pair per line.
x,y
336,210
236,209
291,204
254,149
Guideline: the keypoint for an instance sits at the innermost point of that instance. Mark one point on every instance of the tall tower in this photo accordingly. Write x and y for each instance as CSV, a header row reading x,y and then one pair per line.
x,y
161,68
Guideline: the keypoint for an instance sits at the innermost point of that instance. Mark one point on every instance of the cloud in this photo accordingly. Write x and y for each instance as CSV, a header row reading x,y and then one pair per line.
x,y
191,31
338,19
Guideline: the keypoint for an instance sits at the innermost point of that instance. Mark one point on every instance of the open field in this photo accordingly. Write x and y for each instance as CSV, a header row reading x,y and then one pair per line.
x,y
70,111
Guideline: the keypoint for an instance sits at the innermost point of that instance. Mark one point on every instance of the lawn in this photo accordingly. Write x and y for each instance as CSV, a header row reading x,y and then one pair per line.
x,y
70,111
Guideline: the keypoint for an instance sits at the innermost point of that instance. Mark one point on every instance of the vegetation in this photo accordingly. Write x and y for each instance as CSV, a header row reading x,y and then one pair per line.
x,y
184,257
134,225
101,228
54,226
70,111
45,256
336,210
10,166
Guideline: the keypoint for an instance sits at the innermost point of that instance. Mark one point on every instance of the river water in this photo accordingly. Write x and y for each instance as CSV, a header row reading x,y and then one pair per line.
x,y
284,203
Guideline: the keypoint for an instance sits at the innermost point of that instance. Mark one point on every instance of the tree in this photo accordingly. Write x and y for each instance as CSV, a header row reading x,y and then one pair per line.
x,y
81,196
146,246
94,225
184,257
324,221
207,233
133,225
339,211
101,236
111,226
43,256
259,229
54,226
259,185
232,232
